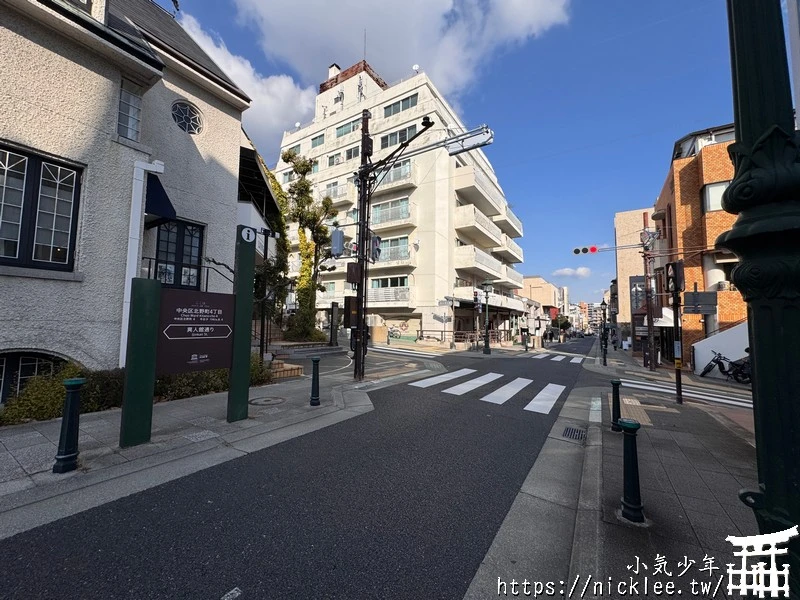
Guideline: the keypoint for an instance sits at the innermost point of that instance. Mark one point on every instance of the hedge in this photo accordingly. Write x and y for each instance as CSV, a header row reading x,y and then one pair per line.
x,y
43,395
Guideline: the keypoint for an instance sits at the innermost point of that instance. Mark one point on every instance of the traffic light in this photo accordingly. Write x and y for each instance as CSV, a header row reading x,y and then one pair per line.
x,y
376,248
475,296
337,243
675,281
585,250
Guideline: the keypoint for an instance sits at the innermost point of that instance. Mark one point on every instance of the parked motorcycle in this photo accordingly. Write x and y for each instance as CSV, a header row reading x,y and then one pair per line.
x,y
394,332
739,370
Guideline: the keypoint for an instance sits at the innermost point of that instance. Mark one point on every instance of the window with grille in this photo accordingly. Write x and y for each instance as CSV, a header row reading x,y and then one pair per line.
x,y
179,255
129,119
187,117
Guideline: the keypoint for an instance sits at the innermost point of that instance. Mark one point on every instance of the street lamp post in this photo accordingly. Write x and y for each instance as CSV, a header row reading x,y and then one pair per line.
x,y
604,335
764,193
486,349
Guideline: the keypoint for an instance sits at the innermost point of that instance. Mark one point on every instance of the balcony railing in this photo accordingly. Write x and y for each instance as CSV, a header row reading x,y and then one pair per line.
x,y
395,253
472,258
477,225
389,294
393,214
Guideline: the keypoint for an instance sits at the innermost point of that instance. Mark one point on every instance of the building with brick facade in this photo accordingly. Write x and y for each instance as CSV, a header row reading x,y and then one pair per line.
x,y
689,216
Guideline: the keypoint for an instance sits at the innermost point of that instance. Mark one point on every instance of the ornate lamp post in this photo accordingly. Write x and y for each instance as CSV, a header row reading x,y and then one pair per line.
x,y
765,193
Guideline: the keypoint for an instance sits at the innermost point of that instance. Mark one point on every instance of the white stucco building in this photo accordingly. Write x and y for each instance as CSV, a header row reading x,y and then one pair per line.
x,y
444,222
121,155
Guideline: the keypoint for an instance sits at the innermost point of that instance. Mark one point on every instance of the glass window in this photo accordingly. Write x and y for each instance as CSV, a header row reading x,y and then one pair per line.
x,y
295,149
400,105
334,159
712,195
348,127
318,140
390,211
38,208
187,117
398,137
130,110
179,254
315,167
351,153
31,366
386,282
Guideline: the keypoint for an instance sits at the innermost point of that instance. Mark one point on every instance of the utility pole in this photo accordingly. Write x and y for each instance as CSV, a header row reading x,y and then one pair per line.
x,y
486,348
648,296
363,247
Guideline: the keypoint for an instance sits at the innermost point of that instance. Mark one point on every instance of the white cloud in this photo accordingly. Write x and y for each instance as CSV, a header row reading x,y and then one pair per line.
x,y
276,100
579,273
452,40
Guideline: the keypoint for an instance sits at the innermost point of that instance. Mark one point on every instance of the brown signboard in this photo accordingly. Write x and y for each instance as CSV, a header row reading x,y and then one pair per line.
x,y
195,331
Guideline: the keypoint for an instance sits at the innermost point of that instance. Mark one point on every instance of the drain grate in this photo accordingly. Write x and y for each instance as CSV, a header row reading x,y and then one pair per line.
x,y
574,433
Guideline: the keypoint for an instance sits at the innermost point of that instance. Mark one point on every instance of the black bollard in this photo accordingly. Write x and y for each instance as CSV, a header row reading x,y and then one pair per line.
x,y
67,457
632,498
615,383
315,381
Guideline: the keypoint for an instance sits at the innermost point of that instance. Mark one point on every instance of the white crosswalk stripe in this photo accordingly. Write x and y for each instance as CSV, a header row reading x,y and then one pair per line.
x,y
504,393
441,378
543,401
540,356
468,386
695,393
577,359
558,357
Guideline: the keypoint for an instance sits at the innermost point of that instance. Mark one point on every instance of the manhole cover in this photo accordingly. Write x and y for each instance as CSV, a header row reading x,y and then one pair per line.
x,y
574,433
267,401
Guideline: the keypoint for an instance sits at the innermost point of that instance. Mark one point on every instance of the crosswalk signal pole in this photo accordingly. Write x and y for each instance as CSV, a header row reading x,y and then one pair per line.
x,y
486,349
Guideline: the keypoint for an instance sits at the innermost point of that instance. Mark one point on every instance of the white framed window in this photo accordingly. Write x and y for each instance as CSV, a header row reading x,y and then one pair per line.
x,y
38,211
394,249
348,127
385,282
289,176
392,210
318,140
31,366
130,110
187,116
400,106
351,153
330,288
334,159
295,149
712,195
398,137
315,167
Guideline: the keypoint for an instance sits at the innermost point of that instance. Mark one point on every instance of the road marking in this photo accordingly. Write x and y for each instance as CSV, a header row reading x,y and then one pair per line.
x,y
504,393
403,352
543,401
234,593
577,359
558,357
694,393
540,356
467,386
442,378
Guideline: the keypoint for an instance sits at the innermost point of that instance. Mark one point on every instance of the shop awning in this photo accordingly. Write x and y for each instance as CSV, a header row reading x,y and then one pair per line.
x,y
666,320
157,202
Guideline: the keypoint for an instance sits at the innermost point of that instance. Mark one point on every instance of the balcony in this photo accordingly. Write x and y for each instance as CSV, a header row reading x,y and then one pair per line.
x,y
511,277
509,222
466,294
477,226
324,299
478,189
343,194
476,261
402,175
398,256
394,218
508,250
390,296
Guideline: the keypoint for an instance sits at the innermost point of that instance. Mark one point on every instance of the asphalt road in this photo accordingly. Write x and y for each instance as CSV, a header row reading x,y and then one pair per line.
x,y
402,502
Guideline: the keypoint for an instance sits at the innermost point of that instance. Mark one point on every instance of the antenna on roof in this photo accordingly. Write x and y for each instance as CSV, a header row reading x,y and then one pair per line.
x,y
176,5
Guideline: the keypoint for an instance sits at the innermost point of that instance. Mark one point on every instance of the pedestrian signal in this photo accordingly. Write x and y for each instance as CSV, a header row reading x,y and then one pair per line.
x,y
337,243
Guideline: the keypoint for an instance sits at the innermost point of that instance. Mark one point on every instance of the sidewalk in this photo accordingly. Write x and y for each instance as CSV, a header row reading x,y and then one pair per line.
x,y
188,435
564,527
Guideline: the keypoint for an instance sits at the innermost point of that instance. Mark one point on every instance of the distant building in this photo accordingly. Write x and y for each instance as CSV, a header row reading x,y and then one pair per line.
x,y
444,222
628,226
689,216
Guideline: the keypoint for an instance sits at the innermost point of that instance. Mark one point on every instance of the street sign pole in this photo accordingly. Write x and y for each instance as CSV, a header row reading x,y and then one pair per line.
x,y
676,312
243,275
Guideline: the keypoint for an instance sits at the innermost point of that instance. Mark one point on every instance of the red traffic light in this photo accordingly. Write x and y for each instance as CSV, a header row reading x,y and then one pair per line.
x,y
585,250
592,249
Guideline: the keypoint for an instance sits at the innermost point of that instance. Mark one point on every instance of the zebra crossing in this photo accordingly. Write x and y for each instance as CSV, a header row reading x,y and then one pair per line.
x,y
555,357
542,402
705,394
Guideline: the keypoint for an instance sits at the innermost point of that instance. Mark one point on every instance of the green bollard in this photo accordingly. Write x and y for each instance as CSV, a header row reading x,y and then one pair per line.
x,y
632,498
615,383
67,457
315,381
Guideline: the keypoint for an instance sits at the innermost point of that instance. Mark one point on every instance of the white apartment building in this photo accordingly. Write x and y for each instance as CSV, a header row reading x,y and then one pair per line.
x,y
444,221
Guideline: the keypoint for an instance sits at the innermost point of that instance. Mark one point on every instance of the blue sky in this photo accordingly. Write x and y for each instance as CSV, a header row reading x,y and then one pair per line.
x,y
586,98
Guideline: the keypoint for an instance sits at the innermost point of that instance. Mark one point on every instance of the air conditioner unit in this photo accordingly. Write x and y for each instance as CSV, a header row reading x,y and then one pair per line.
x,y
724,285
337,160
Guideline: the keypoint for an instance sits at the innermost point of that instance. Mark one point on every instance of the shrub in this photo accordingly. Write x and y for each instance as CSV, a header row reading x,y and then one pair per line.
x,y
42,397
259,373
103,390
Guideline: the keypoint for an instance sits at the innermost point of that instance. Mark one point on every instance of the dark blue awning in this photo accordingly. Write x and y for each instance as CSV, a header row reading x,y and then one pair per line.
x,y
156,200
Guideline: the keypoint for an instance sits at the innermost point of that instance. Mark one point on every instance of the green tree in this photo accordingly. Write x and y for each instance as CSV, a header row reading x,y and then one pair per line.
x,y
561,323
310,216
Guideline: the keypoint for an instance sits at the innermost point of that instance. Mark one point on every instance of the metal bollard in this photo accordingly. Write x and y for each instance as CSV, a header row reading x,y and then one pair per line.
x,y
632,498
615,383
67,457
315,381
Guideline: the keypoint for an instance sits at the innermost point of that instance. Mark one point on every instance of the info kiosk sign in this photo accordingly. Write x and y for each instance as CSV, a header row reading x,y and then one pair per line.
x,y
195,331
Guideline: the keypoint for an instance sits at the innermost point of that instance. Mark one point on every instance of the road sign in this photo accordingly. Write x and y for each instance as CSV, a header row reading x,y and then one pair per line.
x,y
453,303
248,235
700,303
191,332
641,331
